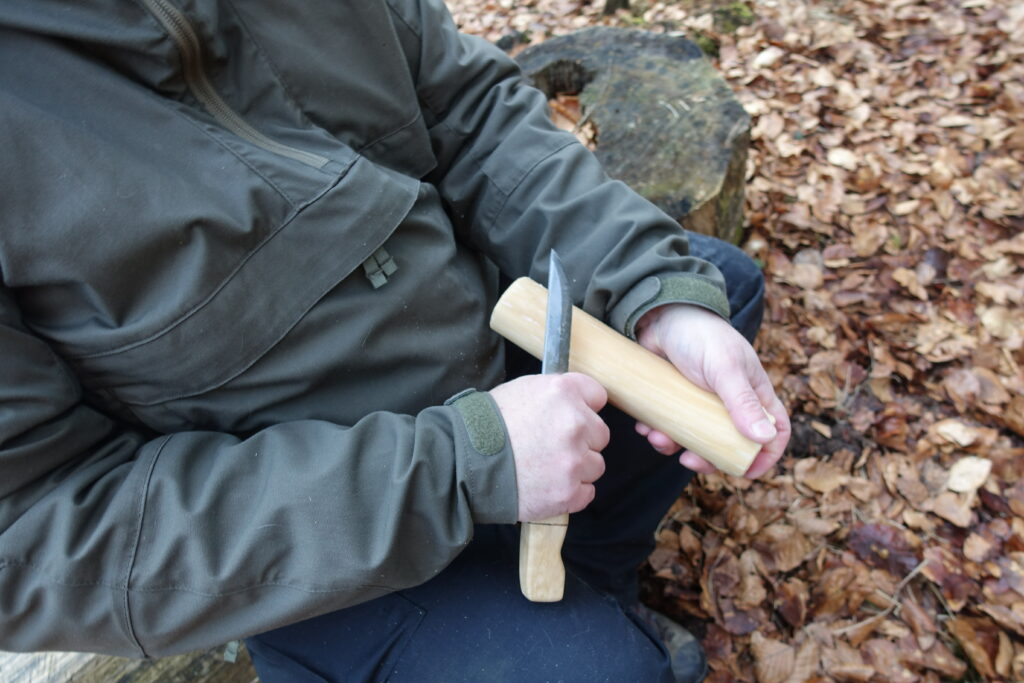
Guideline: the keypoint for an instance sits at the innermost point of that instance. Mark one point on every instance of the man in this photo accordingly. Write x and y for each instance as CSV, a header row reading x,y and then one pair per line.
x,y
248,255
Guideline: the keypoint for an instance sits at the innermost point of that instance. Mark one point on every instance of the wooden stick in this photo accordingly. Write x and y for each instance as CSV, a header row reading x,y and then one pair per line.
x,y
640,383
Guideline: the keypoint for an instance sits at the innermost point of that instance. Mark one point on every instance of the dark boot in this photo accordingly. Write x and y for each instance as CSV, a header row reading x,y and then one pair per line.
x,y
689,664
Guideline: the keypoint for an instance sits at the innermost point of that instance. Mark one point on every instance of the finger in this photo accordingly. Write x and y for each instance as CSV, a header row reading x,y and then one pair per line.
x,y
763,462
773,450
589,389
591,468
598,433
744,406
642,429
691,460
582,498
662,443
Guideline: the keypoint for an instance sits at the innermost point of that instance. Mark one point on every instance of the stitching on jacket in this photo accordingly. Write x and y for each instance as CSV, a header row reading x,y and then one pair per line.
x,y
289,94
210,297
22,564
281,81
527,174
136,543
220,143
263,584
398,14
396,131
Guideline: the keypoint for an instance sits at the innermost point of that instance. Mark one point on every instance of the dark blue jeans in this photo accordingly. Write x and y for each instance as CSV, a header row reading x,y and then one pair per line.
x,y
471,623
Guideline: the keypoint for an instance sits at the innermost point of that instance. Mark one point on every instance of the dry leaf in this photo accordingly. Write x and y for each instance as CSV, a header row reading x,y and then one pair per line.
x,y
966,631
956,431
773,661
884,546
842,158
968,474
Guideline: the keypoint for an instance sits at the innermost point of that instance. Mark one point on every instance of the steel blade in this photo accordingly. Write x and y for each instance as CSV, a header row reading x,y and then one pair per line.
x,y
558,322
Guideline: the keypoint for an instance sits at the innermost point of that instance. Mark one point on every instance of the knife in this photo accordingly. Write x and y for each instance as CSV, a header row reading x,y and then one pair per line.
x,y
541,572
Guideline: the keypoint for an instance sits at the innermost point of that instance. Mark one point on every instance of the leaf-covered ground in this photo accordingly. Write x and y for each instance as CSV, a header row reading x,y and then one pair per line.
x,y
886,202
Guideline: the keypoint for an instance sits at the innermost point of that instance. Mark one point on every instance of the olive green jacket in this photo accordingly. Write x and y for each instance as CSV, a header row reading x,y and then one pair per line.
x,y
247,251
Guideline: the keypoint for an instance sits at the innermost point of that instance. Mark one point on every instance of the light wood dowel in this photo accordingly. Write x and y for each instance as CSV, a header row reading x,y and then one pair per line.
x,y
640,383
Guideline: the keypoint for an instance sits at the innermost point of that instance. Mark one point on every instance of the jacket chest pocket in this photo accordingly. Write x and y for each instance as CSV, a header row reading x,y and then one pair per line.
x,y
263,298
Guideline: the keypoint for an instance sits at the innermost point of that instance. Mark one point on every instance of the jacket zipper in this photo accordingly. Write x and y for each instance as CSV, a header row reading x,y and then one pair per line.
x,y
183,33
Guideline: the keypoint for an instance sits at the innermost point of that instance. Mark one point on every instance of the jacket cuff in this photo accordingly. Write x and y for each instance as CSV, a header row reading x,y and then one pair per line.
x,y
485,449
659,290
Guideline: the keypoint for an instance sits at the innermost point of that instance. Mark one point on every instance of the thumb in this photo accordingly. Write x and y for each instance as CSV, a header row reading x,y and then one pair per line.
x,y
745,408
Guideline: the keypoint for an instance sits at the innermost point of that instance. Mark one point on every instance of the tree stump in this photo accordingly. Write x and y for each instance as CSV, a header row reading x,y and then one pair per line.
x,y
668,125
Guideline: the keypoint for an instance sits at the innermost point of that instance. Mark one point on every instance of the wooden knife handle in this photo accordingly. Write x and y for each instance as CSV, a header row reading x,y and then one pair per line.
x,y
541,572
640,383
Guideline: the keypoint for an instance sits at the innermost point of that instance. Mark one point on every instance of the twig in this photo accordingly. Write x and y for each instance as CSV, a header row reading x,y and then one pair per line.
x,y
894,604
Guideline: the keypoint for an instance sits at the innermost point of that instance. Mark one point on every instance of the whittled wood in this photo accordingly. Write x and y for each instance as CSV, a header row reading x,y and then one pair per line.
x,y
541,571
640,383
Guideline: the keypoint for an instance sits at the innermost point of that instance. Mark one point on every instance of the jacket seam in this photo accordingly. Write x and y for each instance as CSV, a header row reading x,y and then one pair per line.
x,y
464,453
21,564
290,96
210,297
239,157
525,175
396,131
140,519
281,81
24,564
394,11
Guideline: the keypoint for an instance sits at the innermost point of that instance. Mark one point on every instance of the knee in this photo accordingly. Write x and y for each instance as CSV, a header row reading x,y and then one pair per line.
x,y
634,658
745,287
742,275
616,648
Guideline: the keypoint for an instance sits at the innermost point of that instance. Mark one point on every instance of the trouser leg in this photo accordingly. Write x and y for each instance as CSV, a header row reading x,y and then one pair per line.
x,y
470,623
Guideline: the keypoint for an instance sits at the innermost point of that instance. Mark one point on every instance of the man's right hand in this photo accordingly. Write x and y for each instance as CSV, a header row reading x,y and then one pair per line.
x,y
557,439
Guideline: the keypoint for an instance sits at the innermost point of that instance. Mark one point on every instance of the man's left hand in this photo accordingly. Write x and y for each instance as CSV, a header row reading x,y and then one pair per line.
x,y
714,356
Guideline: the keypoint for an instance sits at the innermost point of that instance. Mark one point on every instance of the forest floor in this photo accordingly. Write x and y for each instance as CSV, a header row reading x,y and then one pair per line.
x,y
885,199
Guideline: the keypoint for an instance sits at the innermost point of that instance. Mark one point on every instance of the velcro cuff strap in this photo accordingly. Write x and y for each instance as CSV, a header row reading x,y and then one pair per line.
x,y
680,289
483,422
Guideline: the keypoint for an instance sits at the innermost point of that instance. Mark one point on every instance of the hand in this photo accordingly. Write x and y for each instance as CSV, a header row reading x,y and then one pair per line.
x,y
714,356
557,438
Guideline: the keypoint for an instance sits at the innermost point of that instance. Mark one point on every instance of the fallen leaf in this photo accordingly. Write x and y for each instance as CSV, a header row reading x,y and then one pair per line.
x,y
956,431
977,548
774,661
819,475
884,546
953,507
782,547
842,158
967,633
791,601
968,474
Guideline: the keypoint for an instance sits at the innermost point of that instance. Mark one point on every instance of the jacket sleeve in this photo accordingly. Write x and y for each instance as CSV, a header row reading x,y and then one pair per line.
x,y
117,541
517,186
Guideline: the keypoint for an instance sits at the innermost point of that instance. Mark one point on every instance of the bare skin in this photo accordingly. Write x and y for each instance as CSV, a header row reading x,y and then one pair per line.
x,y
557,439
714,356
558,463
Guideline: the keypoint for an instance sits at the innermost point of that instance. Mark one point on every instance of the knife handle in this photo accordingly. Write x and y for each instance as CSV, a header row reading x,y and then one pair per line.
x,y
641,384
541,572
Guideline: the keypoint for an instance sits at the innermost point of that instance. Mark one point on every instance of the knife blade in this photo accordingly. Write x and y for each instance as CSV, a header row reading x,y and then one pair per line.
x,y
541,571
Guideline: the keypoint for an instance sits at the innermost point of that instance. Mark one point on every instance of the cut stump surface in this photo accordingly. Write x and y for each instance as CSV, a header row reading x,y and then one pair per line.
x,y
668,125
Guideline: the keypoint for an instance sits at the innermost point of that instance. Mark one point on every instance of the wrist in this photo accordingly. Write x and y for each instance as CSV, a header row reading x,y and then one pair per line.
x,y
649,327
